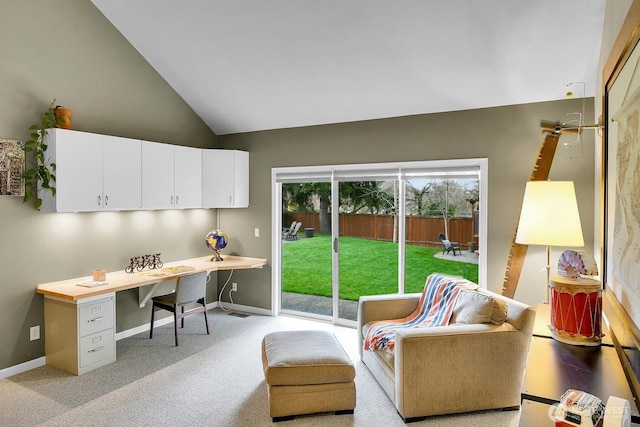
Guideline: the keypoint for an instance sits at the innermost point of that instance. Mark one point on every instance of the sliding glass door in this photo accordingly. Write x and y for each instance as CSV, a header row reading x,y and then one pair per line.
x,y
372,229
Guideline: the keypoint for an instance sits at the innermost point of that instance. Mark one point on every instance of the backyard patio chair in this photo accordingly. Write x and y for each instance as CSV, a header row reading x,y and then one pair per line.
x,y
449,246
293,233
286,231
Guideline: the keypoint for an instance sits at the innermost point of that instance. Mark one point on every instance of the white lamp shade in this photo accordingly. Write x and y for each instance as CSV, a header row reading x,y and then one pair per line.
x,y
550,215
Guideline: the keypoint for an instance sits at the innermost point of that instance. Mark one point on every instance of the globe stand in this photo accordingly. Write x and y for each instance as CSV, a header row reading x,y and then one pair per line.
x,y
216,240
216,256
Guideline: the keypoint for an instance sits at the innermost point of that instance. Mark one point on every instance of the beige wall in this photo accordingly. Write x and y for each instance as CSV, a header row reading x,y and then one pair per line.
x,y
510,137
66,49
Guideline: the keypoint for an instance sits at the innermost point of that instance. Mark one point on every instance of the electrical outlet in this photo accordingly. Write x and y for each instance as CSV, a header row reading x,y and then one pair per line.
x,y
234,286
256,232
34,333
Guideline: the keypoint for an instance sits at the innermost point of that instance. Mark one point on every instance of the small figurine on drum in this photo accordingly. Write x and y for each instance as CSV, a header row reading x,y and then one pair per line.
x,y
576,301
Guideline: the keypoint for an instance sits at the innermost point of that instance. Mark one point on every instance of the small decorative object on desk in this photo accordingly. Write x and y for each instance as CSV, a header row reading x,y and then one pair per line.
x,y
216,240
138,263
99,275
577,408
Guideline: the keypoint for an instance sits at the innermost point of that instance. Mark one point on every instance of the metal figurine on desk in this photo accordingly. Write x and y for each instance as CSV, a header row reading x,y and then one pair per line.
x,y
576,301
138,263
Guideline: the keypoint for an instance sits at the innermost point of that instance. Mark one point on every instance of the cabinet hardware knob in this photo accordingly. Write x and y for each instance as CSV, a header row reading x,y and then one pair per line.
x,y
99,201
106,200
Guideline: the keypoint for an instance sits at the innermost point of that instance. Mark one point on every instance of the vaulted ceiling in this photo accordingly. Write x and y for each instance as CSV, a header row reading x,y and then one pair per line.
x,y
249,65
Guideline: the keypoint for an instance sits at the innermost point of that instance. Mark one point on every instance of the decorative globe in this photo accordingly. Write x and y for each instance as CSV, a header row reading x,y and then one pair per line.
x,y
216,240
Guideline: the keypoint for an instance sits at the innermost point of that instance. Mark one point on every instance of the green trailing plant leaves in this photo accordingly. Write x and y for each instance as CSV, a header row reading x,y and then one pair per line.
x,y
39,174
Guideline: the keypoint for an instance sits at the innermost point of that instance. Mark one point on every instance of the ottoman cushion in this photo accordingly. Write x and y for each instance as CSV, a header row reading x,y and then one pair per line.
x,y
305,358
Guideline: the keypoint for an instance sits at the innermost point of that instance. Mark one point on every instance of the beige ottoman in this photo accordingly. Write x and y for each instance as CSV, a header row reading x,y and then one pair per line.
x,y
307,372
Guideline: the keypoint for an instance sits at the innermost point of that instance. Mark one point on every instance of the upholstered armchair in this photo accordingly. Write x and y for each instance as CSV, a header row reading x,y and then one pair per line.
x,y
476,362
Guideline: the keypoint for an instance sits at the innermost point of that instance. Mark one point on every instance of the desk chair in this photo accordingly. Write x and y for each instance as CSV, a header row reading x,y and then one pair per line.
x,y
190,289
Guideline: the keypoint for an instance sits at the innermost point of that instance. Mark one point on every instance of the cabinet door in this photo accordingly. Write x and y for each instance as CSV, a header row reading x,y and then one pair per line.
x,y
121,173
157,176
188,177
225,179
78,158
217,178
241,182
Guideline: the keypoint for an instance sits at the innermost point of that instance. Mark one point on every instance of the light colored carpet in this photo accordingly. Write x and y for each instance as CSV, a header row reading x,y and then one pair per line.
x,y
213,380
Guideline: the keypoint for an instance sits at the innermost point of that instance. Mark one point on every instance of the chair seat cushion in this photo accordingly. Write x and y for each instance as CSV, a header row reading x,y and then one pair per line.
x,y
168,299
305,358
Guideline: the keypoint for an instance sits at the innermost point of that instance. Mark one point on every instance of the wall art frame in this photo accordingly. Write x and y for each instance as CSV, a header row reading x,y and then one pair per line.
x,y
620,194
12,165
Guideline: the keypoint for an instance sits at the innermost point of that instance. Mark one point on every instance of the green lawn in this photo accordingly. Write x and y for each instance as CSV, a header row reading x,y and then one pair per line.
x,y
367,267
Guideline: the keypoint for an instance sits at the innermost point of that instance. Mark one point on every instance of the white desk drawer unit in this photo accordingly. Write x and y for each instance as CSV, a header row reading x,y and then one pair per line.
x,y
80,335
96,316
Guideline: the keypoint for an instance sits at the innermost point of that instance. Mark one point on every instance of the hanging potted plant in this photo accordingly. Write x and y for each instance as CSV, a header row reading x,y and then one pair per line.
x,y
39,175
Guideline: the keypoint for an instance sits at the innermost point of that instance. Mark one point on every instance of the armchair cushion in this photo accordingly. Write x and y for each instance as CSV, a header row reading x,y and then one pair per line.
x,y
474,306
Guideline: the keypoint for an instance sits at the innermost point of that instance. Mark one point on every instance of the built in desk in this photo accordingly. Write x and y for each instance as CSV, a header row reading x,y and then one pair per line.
x,y
554,367
79,321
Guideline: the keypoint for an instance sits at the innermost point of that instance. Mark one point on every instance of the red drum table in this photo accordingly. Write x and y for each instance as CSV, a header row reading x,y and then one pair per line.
x,y
576,310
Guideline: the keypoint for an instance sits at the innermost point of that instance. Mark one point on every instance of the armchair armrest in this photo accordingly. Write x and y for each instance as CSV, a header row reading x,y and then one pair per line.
x,y
384,307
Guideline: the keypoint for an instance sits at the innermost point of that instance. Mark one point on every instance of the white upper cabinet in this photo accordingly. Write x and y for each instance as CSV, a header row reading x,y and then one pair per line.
x,y
225,179
93,172
171,176
100,172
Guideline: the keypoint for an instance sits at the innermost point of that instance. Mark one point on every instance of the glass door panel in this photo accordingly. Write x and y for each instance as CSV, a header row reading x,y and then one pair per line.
x,y
434,207
368,246
306,249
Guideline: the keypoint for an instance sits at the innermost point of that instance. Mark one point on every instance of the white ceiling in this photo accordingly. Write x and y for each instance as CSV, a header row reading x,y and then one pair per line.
x,y
248,65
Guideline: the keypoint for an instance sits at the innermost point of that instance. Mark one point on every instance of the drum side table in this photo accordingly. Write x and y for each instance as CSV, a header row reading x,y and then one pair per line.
x,y
576,310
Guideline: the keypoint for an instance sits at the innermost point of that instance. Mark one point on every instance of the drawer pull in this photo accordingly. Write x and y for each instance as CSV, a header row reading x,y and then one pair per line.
x,y
96,349
95,319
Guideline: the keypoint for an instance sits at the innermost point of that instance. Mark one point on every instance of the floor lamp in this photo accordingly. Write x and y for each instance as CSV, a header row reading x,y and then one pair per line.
x,y
550,217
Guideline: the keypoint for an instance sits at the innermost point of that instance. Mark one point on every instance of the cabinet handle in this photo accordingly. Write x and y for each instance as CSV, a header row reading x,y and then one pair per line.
x,y
171,200
177,200
106,200
230,199
99,201
96,349
96,319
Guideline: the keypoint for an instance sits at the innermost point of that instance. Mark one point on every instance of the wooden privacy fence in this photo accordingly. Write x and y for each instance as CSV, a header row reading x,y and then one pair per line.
x,y
420,230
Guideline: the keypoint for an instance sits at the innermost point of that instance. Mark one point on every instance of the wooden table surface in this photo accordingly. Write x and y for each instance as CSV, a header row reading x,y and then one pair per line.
x,y
120,280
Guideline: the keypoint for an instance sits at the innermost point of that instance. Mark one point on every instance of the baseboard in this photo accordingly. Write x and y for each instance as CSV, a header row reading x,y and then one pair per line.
x,y
244,309
23,367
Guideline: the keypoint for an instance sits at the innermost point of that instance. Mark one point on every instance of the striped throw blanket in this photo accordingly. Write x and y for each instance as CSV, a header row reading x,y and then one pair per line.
x,y
434,309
